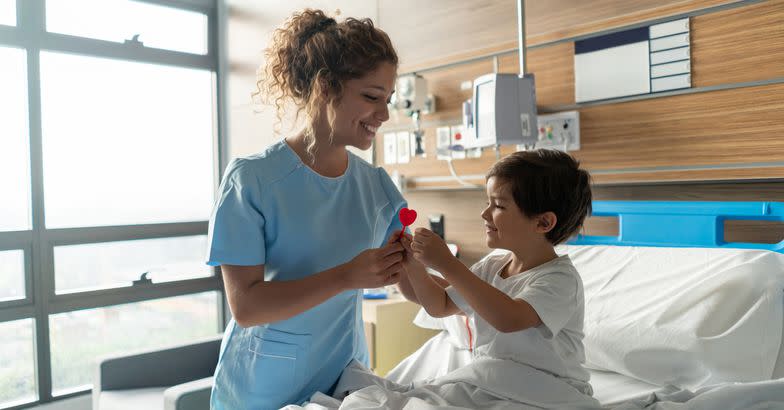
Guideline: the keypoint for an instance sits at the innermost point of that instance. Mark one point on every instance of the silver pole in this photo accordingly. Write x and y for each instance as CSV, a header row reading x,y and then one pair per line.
x,y
521,35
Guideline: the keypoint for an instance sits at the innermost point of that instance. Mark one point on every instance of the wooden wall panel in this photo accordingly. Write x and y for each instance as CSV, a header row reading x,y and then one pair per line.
x,y
689,137
440,31
464,227
738,45
723,127
553,69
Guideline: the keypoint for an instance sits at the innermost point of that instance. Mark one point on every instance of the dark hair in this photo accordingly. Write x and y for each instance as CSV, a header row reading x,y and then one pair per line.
x,y
310,58
546,180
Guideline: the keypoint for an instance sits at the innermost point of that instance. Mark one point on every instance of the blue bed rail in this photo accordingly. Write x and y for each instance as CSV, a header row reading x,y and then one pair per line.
x,y
680,224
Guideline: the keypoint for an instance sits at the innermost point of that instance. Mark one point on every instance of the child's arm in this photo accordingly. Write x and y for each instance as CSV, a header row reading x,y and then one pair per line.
x,y
420,287
497,308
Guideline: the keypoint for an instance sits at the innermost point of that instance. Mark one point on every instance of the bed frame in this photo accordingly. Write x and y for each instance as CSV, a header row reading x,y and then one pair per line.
x,y
680,224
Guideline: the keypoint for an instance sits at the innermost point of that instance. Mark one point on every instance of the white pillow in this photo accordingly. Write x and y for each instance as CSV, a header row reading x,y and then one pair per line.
x,y
687,317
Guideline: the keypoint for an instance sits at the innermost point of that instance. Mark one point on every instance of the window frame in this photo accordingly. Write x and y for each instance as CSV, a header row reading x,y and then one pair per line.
x,y
38,244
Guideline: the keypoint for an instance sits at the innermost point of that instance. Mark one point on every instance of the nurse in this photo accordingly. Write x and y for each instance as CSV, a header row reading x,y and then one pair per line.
x,y
300,228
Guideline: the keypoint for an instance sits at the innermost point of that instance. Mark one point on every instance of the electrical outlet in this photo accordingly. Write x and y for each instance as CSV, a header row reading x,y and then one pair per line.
x,y
559,131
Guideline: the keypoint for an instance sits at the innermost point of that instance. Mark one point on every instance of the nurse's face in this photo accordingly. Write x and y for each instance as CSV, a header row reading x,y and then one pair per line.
x,y
363,107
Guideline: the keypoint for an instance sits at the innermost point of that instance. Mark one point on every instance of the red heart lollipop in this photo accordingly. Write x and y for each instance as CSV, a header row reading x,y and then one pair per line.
x,y
407,217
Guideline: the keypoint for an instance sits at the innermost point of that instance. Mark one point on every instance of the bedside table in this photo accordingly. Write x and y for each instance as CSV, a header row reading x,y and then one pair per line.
x,y
390,332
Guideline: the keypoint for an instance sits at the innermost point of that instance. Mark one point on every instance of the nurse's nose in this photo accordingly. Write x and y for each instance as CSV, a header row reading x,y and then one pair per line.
x,y
382,114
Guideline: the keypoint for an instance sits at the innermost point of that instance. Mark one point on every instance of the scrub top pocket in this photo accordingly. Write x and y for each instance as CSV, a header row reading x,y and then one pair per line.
x,y
277,362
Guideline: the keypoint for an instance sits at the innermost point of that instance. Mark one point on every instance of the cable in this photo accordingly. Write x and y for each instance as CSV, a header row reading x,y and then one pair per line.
x,y
457,178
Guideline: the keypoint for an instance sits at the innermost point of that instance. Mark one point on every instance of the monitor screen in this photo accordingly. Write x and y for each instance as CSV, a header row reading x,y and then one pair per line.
x,y
485,110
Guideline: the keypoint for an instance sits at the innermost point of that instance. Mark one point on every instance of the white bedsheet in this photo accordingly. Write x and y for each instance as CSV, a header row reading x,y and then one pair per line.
x,y
503,385
611,388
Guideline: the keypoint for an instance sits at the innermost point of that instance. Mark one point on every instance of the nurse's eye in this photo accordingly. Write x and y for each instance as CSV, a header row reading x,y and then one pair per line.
x,y
371,98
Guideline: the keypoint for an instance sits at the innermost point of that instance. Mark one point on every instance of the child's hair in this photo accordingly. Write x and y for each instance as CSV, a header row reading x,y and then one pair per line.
x,y
548,181
310,58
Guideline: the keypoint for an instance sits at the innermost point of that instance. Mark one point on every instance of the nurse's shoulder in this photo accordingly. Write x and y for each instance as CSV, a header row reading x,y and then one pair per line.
x,y
262,169
378,182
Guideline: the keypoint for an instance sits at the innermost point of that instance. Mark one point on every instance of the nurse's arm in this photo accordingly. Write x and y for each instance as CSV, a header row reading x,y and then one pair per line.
x,y
254,301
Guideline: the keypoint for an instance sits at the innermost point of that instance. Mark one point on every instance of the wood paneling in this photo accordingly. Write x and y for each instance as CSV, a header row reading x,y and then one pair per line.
x,y
464,227
738,45
687,137
553,69
734,126
441,31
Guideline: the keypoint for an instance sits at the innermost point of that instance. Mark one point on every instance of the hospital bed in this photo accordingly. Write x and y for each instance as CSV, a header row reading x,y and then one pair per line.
x,y
691,309
674,313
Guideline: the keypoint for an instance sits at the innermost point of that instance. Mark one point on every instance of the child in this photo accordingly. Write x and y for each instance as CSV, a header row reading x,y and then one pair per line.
x,y
525,305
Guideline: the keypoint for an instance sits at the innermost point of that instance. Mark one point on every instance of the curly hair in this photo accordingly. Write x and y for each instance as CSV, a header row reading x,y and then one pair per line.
x,y
310,59
546,180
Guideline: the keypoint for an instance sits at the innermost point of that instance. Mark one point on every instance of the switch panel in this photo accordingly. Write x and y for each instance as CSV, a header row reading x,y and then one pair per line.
x,y
558,131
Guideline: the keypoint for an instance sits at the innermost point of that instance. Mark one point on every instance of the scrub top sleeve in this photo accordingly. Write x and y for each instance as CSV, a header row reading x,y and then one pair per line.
x,y
396,201
553,296
236,231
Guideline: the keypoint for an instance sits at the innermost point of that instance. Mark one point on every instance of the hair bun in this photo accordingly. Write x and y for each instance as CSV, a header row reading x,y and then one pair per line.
x,y
317,27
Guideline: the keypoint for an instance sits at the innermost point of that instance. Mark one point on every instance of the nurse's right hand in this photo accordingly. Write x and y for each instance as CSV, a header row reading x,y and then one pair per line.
x,y
375,268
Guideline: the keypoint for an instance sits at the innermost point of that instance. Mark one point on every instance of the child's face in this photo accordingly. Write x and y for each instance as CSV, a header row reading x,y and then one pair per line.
x,y
506,226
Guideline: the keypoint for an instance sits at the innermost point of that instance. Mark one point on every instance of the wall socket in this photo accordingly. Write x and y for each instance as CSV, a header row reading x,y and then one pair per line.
x,y
559,131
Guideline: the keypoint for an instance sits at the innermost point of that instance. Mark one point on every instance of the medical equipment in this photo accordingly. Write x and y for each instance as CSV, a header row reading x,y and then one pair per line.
x,y
412,98
503,108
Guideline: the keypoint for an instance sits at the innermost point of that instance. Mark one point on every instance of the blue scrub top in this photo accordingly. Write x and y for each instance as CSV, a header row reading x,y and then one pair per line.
x,y
275,210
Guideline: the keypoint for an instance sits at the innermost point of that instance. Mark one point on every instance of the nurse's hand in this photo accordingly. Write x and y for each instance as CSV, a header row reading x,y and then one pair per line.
x,y
375,268
409,262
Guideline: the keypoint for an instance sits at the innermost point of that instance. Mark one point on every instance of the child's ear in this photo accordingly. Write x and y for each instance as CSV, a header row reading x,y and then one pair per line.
x,y
546,222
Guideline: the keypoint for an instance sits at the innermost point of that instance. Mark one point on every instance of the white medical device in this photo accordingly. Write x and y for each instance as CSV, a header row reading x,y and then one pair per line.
x,y
410,94
504,111
503,108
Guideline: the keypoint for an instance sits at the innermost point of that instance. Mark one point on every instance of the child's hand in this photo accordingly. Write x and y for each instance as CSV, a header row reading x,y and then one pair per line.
x,y
430,249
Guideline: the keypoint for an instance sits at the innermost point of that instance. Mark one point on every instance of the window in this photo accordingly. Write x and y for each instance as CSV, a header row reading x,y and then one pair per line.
x,y
109,160
116,264
8,12
12,281
17,363
14,152
114,156
77,338
120,20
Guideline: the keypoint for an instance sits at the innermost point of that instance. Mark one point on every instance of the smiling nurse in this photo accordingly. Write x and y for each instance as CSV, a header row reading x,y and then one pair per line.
x,y
300,228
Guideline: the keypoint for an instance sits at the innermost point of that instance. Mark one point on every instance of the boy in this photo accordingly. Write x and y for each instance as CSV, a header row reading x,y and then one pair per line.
x,y
525,305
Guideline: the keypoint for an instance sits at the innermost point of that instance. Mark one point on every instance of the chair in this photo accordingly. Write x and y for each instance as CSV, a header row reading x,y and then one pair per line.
x,y
174,378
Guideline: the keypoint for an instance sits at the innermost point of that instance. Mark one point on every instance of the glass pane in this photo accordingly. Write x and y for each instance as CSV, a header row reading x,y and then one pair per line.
x,y
14,143
114,264
78,338
125,143
17,363
12,279
120,20
8,12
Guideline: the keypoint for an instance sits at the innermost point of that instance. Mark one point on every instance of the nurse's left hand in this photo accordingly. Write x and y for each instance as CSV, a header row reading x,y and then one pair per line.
x,y
430,249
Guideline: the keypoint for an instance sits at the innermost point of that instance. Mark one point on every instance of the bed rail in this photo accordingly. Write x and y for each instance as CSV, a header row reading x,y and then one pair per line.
x,y
680,224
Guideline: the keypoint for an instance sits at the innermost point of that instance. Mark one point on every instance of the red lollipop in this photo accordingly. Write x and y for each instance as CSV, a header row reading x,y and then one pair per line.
x,y
407,217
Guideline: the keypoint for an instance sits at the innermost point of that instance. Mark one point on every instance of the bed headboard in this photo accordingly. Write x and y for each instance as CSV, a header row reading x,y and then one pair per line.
x,y
680,224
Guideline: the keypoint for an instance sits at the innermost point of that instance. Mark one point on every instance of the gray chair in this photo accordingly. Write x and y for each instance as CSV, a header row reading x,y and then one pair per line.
x,y
173,378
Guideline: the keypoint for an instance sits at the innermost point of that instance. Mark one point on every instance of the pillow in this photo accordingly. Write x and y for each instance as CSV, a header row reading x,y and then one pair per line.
x,y
687,317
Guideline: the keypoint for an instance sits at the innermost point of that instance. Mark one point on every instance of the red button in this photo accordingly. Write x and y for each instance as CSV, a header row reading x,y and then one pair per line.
x,y
458,136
